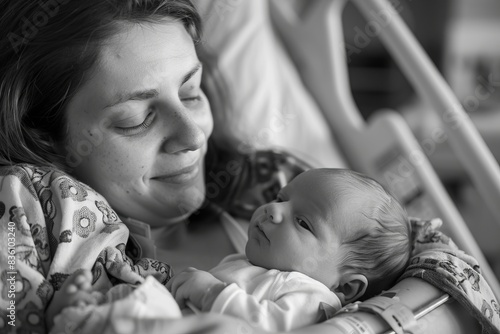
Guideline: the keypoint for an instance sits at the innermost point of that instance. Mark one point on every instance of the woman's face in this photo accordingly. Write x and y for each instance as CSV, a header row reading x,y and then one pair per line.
x,y
138,128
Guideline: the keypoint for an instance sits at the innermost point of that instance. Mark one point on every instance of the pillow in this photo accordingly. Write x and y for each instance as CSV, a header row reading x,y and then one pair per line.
x,y
272,108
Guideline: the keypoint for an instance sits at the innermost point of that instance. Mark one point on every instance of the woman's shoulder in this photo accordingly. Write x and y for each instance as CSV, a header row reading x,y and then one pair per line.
x,y
44,184
33,177
25,176
21,169
25,172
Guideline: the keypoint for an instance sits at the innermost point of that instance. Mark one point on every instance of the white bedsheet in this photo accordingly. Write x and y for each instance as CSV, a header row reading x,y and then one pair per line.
x,y
272,107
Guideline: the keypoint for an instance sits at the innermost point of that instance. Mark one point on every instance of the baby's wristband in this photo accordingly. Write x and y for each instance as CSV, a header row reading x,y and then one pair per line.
x,y
210,295
399,317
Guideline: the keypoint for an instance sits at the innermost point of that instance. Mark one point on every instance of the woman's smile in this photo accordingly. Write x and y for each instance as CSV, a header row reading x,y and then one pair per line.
x,y
171,147
182,175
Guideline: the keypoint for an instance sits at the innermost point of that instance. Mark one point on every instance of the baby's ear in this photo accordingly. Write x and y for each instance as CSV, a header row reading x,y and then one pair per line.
x,y
351,287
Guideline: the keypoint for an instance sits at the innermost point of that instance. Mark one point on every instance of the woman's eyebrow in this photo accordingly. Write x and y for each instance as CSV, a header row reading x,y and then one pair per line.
x,y
191,73
147,94
139,95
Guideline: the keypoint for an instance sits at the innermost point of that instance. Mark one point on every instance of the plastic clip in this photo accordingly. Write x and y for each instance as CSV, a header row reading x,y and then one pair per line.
x,y
399,317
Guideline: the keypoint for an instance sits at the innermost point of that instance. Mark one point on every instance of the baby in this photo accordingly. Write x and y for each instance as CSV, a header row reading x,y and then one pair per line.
x,y
331,237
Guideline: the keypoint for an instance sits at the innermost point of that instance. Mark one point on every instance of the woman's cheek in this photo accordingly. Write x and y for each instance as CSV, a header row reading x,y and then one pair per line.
x,y
128,161
207,123
112,159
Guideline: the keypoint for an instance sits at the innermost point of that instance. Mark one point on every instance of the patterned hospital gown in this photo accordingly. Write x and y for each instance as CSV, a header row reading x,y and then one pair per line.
x,y
50,226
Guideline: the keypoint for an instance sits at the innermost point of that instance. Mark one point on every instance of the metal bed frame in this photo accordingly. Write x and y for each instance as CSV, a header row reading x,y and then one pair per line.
x,y
384,147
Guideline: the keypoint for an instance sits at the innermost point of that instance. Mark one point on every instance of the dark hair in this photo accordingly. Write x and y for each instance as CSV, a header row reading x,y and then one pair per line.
x,y
47,50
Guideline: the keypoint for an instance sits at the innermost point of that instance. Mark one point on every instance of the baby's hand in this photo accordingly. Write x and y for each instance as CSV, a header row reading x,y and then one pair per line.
x,y
199,287
75,291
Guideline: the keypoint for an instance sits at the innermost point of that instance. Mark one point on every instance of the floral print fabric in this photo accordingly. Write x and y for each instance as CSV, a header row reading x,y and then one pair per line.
x,y
437,260
57,225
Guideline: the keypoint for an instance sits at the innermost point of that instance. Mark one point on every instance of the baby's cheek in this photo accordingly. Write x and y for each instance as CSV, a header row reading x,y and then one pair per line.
x,y
257,215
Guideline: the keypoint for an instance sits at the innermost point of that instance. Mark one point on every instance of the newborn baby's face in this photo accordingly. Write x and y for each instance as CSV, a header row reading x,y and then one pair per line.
x,y
298,231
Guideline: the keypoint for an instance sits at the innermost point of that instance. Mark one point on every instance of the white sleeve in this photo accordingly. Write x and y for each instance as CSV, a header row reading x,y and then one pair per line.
x,y
293,305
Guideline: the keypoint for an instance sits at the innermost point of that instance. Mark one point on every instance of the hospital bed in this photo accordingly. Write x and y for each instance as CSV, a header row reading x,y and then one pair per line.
x,y
385,148
320,121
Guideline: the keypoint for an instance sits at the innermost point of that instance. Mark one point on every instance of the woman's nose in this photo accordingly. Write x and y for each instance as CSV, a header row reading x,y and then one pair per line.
x,y
185,133
274,213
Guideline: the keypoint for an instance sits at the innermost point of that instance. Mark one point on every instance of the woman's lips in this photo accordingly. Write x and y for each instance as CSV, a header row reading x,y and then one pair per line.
x,y
183,175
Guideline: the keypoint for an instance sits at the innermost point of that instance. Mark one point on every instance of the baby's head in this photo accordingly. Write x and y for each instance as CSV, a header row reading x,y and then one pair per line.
x,y
337,226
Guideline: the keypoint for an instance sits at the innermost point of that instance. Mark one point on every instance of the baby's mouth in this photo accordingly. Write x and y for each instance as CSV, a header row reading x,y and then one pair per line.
x,y
261,230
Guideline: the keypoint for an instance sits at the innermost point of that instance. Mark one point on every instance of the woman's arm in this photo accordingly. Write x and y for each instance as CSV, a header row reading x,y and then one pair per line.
x,y
414,293
449,318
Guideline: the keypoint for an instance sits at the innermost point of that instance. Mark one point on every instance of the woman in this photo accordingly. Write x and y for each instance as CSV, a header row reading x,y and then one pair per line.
x,y
110,92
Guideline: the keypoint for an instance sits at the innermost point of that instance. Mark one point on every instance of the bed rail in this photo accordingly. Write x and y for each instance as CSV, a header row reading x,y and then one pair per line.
x,y
465,140
384,147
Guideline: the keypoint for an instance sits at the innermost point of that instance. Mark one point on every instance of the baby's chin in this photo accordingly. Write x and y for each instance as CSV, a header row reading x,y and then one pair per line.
x,y
258,261
253,259
258,264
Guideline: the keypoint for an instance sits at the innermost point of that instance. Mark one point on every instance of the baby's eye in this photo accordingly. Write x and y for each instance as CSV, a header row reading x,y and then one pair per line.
x,y
303,224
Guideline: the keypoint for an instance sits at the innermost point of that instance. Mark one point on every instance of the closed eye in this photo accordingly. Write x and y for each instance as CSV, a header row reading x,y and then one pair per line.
x,y
192,100
136,129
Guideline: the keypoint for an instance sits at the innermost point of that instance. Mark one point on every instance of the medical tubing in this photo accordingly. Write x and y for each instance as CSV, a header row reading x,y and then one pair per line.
x,y
426,309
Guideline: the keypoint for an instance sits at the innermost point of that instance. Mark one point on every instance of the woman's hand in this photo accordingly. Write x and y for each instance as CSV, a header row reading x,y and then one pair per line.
x,y
199,287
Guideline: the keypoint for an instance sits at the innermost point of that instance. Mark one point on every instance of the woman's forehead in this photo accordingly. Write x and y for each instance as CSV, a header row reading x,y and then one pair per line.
x,y
148,48
140,58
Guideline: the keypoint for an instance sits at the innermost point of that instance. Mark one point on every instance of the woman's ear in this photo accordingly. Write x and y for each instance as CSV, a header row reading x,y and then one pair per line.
x,y
351,288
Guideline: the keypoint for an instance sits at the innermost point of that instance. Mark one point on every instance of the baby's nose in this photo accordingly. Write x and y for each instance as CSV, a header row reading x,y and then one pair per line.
x,y
273,214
